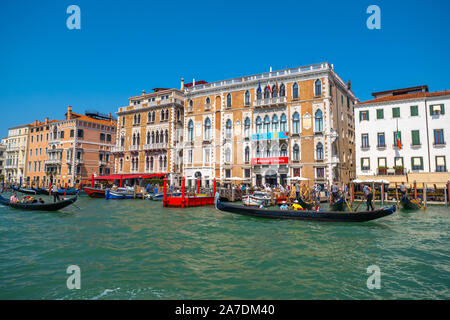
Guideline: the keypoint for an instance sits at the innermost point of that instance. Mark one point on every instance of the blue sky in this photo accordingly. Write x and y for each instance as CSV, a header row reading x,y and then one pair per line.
x,y
125,47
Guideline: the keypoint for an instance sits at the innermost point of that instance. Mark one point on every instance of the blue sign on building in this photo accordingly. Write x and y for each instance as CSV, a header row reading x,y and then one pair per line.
x,y
270,135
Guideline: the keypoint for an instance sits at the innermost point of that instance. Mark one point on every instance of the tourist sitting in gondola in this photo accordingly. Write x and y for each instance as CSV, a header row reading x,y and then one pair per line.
x,y
296,206
284,206
14,199
41,201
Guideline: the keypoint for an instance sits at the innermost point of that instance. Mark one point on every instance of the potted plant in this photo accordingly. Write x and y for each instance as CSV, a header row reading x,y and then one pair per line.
x,y
398,170
382,170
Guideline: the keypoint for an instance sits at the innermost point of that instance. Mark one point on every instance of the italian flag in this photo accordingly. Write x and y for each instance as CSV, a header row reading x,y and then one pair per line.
x,y
399,143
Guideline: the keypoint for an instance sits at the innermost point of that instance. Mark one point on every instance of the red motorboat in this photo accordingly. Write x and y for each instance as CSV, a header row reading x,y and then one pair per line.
x,y
94,192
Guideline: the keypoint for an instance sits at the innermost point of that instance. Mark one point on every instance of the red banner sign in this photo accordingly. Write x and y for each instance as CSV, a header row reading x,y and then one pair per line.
x,y
277,160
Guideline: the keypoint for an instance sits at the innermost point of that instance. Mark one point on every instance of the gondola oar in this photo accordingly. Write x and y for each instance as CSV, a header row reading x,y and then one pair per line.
x,y
417,202
349,208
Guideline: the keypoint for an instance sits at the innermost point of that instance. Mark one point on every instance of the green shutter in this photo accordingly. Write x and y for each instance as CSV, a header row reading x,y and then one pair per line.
x,y
380,114
360,116
367,113
421,163
431,110
442,109
396,112
415,137
414,111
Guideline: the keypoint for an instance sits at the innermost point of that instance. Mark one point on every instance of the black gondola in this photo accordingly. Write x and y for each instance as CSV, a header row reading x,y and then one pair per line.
x,y
51,206
27,191
339,205
407,204
331,216
41,191
306,205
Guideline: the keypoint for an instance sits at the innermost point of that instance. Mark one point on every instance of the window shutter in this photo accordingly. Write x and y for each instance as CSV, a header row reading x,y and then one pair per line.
x,y
367,115
442,109
360,116
431,110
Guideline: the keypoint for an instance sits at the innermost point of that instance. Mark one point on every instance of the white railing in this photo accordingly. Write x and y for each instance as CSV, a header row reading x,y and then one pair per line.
x,y
156,146
261,76
53,162
117,149
12,148
134,148
269,102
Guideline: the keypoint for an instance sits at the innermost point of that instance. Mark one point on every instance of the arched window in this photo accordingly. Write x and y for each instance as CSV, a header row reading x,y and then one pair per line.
x,y
258,152
296,152
258,125
275,151
266,92
120,164
207,129
295,91
283,152
191,130
247,98
318,88
247,154
134,139
139,119
165,162
151,164
153,137
228,155
266,124
149,117
157,137
122,141
267,153
229,100
178,115
207,103
148,138
191,106
319,151
162,115
153,116
167,114
134,119
258,93
229,129
319,120
274,123
160,163
138,139
283,123
274,91
282,90
296,123
167,136
247,127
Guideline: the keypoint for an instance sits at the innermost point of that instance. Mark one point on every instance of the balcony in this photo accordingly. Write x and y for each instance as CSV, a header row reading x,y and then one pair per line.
x,y
53,162
54,141
77,161
134,148
117,149
155,146
269,102
103,163
12,148
10,166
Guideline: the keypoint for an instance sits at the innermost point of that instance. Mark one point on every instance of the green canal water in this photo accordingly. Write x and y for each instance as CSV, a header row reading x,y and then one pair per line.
x,y
135,249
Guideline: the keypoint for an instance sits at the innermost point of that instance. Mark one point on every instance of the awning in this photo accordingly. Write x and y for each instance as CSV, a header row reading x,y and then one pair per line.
x,y
130,176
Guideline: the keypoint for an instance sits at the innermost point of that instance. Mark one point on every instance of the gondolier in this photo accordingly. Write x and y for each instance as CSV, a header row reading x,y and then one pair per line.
x,y
403,189
55,193
368,194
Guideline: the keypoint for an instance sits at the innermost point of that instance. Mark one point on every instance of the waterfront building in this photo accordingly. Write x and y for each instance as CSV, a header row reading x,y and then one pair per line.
x,y
149,129
2,161
403,131
269,127
37,152
16,153
79,147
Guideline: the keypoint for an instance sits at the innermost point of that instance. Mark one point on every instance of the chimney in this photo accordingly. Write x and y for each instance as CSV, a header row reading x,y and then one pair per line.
x,y
182,84
193,82
46,120
69,113
109,116
349,84
270,68
143,92
36,123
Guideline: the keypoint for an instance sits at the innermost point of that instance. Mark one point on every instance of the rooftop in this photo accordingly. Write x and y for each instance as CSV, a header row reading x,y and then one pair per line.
x,y
409,96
